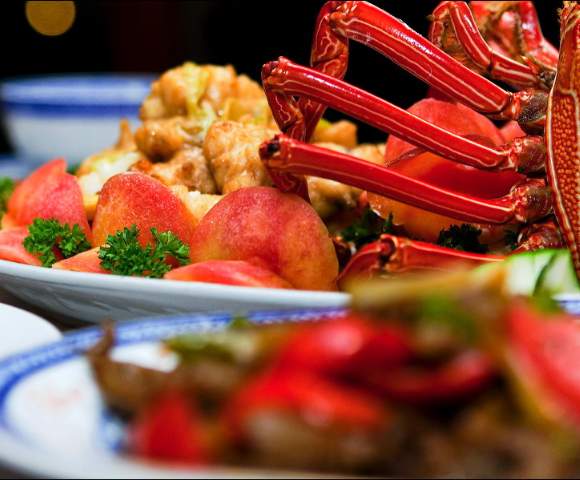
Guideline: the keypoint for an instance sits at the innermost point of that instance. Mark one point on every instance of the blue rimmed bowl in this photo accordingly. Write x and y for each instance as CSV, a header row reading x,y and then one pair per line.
x,y
69,116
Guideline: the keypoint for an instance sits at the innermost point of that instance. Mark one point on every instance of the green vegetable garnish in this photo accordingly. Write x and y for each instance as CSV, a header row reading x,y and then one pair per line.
x,y
464,237
368,228
229,346
73,169
6,189
511,239
44,236
122,253
444,312
545,303
240,322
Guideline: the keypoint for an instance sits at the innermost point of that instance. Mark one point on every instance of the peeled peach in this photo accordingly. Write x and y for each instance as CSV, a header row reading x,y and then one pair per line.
x,y
280,230
137,199
455,117
49,193
228,272
435,170
88,261
12,248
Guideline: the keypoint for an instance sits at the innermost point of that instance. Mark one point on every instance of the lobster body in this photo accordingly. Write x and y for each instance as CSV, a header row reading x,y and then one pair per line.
x,y
563,132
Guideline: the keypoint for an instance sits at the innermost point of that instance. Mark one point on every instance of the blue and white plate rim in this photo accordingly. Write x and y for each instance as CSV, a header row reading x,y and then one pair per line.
x,y
19,453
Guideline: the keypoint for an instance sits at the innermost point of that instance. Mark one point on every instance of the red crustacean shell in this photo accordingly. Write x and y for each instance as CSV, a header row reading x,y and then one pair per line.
x,y
563,133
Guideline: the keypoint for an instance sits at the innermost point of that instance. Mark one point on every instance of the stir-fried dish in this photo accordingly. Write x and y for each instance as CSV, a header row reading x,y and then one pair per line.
x,y
437,376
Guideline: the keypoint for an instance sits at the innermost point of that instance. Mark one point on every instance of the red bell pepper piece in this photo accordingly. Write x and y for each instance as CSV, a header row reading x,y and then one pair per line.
x,y
464,375
169,430
316,400
345,346
544,351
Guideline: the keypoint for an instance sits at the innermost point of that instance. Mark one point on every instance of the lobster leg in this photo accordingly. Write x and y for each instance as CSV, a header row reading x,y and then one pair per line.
x,y
283,79
526,202
541,235
454,30
365,23
392,254
516,28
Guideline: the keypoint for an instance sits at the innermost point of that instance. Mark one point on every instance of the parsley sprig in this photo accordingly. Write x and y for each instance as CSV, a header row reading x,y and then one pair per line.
x,y
6,188
464,237
46,236
122,253
368,228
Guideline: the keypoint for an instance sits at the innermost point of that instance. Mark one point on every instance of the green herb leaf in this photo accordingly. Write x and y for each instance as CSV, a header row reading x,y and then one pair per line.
x,y
122,253
74,168
44,236
464,237
6,188
368,228
511,239
444,312
238,346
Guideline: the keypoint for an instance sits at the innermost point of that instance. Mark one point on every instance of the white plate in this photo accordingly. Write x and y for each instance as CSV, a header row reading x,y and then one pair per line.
x,y
53,422
22,331
93,297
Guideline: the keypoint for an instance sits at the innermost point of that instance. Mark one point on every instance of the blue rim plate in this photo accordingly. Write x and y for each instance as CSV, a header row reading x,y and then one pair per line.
x,y
52,420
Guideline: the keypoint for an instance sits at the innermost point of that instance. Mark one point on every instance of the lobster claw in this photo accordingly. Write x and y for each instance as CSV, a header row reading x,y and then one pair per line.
x,y
542,352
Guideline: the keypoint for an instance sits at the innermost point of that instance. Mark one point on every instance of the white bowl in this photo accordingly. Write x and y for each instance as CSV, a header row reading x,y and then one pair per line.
x,y
71,116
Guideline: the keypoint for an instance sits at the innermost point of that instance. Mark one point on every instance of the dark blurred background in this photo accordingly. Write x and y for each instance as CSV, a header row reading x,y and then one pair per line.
x,y
152,36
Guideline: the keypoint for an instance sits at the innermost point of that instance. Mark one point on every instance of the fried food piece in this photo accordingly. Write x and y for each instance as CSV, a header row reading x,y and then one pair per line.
x,y
160,140
197,203
188,167
231,149
372,152
328,196
184,90
341,133
95,170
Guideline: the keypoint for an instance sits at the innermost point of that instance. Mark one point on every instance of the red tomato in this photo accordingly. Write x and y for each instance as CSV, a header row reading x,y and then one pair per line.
x,y
345,346
317,401
169,430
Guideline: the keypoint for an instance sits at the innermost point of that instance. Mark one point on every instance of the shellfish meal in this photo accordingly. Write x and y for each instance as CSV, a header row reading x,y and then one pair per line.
x,y
227,181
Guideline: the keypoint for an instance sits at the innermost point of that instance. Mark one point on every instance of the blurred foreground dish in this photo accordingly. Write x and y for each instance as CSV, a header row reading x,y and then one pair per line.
x,y
438,376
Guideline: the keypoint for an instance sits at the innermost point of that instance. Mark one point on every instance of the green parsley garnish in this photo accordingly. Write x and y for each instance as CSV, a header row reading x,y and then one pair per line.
x,y
464,237
6,188
44,236
73,169
122,253
368,228
511,239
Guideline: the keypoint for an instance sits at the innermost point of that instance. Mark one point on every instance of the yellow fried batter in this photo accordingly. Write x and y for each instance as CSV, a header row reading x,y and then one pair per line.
x,y
188,167
231,149
200,134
